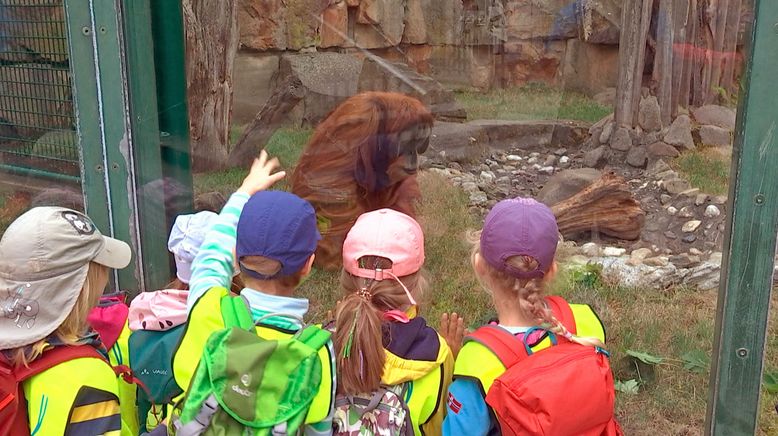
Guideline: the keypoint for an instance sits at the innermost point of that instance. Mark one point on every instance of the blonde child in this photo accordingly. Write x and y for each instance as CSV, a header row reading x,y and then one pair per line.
x,y
273,234
380,340
54,266
514,261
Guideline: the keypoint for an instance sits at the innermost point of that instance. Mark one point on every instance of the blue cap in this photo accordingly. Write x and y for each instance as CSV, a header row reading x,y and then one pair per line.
x,y
280,226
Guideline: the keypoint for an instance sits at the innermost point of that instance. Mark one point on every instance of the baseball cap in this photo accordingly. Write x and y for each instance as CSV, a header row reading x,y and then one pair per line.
x,y
520,227
385,233
186,236
44,259
280,226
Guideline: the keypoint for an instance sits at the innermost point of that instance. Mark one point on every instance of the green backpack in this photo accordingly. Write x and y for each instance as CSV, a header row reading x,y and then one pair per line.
x,y
245,384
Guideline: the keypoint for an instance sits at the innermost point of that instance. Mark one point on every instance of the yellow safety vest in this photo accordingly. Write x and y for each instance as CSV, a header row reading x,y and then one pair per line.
x,y
205,318
119,354
428,387
475,361
51,394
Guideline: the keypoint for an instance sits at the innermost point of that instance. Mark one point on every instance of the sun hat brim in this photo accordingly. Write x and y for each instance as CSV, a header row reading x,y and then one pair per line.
x,y
114,254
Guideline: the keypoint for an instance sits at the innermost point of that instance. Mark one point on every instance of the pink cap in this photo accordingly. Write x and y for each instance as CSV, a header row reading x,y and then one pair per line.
x,y
384,233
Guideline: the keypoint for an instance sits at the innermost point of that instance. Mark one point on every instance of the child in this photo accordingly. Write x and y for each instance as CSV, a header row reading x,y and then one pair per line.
x,y
274,235
54,265
514,261
379,339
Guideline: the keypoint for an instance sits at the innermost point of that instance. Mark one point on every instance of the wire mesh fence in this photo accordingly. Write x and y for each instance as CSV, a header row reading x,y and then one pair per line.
x,y
37,123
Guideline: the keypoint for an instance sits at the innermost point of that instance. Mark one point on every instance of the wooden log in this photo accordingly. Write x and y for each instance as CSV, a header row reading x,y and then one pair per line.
x,y
663,61
273,113
607,206
635,20
211,28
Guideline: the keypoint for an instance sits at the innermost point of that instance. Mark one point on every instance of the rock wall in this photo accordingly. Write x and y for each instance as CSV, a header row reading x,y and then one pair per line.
x,y
479,43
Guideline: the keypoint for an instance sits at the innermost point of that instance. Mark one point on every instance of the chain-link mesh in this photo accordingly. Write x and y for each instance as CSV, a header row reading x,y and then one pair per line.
x,y
37,124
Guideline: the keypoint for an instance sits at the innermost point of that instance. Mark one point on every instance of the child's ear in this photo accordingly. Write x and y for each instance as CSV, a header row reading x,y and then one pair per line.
x,y
308,266
478,265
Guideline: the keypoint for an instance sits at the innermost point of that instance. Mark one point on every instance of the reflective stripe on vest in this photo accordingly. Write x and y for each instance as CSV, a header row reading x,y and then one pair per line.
x,y
50,414
206,318
475,361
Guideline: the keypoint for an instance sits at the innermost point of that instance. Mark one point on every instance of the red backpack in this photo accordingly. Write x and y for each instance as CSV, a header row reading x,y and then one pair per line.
x,y
566,389
13,406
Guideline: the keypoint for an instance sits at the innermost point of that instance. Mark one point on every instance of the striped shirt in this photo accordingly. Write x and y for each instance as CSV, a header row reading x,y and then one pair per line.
x,y
213,267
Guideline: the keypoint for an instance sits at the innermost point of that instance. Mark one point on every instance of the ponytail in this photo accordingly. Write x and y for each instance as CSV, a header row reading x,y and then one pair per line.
x,y
358,344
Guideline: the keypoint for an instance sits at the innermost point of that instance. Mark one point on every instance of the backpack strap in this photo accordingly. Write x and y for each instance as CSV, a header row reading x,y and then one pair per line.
x,y
235,313
54,357
508,348
562,312
314,337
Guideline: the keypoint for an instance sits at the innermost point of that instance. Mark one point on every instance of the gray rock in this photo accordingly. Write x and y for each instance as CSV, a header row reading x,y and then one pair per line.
x,y
658,167
514,158
700,199
478,198
532,160
649,116
641,253
550,160
671,211
650,138
676,186
704,276
690,238
659,150
691,226
560,151
607,131
680,133
590,249
670,235
621,140
487,176
613,251
695,251
684,260
637,157
460,142
715,115
565,184
686,212
664,199
656,261
719,199
564,161
712,211
470,187
715,136
597,158
546,170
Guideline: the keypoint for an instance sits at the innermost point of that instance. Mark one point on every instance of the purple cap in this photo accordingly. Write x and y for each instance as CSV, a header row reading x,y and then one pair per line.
x,y
280,226
520,227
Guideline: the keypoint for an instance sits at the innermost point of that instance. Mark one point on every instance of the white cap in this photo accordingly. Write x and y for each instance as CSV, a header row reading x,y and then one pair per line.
x,y
186,236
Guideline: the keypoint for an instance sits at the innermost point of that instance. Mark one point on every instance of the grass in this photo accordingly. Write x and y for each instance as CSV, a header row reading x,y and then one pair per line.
x,y
531,102
705,169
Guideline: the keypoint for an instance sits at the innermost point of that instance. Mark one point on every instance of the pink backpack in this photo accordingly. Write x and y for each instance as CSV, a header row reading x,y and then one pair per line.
x,y
160,310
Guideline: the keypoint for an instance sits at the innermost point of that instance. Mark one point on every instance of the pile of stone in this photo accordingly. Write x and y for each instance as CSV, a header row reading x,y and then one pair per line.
x,y
651,141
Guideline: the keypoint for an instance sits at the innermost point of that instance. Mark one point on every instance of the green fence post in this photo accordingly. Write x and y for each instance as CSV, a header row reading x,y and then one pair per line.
x,y
749,247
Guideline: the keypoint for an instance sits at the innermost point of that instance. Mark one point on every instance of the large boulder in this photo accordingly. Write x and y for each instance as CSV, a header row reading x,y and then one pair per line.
x,y
715,136
529,135
443,20
379,23
600,21
458,142
279,24
719,116
328,78
680,133
415,23
591,68
547,20
334,26
381,75
649,114
252,77
532,61
567,183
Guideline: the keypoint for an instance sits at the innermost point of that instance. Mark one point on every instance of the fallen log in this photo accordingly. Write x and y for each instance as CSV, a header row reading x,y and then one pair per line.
x,y
285,97
607,206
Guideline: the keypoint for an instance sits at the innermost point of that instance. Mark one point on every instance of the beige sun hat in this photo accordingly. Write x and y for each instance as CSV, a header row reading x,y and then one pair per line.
x,y
44,259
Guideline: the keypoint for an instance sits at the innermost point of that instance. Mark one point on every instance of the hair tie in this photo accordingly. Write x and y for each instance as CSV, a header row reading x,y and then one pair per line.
x,y
364,293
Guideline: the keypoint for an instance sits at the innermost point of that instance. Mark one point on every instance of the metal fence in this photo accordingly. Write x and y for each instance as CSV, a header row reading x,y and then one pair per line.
x,y
37,122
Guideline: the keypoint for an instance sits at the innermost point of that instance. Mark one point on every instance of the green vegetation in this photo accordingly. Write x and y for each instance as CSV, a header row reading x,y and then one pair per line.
x,y
531,102
705,169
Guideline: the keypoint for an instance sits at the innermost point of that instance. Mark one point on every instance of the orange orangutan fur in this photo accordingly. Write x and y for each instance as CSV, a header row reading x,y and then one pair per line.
x,y
362,157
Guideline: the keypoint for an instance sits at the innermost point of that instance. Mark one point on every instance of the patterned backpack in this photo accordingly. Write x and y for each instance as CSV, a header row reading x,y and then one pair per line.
x,y
382,414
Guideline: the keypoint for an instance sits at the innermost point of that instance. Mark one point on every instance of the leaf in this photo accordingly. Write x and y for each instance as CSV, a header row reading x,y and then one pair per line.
x,y
646,358
627,387
770,381
695,361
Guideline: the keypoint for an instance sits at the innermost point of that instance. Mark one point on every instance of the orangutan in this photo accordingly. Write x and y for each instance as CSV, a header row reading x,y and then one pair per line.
x,y
362,157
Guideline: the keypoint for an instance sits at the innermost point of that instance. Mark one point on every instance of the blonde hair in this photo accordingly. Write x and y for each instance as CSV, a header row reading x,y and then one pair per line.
x,y
75,324
530,292
359,331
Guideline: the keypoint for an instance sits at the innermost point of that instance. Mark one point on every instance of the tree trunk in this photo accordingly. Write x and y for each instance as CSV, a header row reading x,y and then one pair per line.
x,y
285,97
663,61
211,28
635,20
607,206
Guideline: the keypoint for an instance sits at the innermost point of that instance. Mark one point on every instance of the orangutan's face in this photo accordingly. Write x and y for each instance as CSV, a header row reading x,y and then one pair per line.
x,y
412,142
